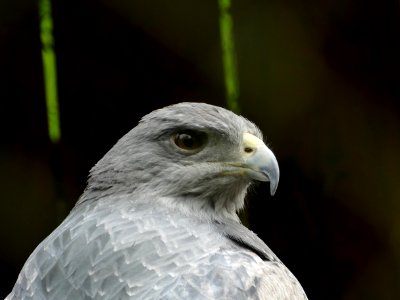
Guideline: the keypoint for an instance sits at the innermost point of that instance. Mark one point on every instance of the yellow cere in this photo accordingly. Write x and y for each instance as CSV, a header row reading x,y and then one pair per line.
x,y
252,142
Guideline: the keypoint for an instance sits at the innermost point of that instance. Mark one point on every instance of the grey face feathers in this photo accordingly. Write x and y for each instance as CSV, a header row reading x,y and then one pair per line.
x,y
187,151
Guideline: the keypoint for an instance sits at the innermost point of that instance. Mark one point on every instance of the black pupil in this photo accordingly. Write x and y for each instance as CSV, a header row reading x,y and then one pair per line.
x,y
186,140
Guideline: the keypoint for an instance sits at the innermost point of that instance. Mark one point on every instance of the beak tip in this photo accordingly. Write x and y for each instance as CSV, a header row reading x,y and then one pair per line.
x,y
273,177
273,186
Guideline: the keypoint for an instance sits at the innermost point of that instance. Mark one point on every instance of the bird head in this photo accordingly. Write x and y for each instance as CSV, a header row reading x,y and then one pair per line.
x,y
198,156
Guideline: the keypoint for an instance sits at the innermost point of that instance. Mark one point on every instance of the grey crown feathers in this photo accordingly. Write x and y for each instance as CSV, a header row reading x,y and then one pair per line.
x,y
158,219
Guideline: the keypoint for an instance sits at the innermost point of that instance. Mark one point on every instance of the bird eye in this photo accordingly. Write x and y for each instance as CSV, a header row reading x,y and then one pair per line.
x,y
189,141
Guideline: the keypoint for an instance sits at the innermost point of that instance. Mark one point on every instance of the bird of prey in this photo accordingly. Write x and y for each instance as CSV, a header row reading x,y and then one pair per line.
x,y
158,219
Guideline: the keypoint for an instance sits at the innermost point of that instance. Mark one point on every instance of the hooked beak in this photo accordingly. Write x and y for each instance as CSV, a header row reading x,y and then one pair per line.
x,y
260,161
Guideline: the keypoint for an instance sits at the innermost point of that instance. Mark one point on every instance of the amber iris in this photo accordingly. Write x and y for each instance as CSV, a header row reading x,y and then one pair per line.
x,y
189,140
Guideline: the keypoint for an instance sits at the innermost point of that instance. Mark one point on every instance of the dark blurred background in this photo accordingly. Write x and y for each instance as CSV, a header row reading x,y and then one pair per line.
x,y
320,78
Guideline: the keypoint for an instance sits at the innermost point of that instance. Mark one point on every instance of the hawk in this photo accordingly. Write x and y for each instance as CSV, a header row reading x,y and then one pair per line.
x,y
158,218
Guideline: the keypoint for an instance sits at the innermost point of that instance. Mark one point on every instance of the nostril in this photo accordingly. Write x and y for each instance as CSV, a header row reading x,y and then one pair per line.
x,y
248,150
